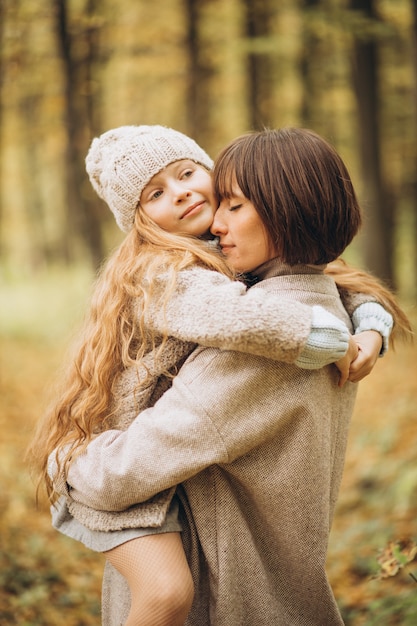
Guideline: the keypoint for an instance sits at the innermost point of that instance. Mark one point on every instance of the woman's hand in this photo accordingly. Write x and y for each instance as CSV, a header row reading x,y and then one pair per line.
x,y
369,347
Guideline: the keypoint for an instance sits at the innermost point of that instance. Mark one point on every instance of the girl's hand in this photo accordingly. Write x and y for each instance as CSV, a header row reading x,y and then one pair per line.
x,y
369,345
345,363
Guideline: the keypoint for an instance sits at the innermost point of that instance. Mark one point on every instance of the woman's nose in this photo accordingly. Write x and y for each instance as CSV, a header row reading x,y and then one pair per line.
x,y
218,226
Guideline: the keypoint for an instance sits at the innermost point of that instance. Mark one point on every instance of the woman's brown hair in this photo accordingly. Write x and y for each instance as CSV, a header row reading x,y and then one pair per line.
x,y
300,187
303,193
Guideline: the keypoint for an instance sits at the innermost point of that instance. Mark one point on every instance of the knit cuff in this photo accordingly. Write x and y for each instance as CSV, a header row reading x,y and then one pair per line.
x,y
327,342
373,316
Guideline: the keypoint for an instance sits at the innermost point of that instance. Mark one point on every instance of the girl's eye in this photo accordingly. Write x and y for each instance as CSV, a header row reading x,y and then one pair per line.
x,y
187,173
156,194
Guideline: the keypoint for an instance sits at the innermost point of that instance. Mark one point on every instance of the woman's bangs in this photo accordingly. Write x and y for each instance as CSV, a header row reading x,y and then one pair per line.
x,y
223,177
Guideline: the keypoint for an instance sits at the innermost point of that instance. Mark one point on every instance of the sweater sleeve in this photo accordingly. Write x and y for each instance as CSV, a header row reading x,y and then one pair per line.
x,y
323,337
213,311
367,313
373,316
366,316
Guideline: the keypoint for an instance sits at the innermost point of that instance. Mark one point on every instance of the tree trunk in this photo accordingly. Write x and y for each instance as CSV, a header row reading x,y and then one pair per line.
x,y
194,66
200,98
39,250
378,235
414,182
77,54
2,79
259,62
311,68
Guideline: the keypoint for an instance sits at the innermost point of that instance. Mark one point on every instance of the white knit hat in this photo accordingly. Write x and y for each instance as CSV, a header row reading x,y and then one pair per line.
x,y
122,161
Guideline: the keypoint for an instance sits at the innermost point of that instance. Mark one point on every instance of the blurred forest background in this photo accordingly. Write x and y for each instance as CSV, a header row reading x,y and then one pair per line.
x,y
71,69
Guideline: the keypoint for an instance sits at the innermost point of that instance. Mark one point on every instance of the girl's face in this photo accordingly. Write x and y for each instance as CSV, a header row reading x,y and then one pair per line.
x,y
243,238
180,199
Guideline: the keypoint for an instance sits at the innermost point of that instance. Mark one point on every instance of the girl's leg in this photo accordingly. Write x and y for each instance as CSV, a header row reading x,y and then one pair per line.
x,y
159,579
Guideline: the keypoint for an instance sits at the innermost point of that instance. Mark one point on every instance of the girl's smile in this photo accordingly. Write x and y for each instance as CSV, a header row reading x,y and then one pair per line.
x,y
180,199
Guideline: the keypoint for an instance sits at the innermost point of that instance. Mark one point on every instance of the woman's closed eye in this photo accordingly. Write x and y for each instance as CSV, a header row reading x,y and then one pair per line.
x,y
235,207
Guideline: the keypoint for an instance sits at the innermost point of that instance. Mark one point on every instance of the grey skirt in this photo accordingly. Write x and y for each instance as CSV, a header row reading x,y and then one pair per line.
x,y
101,541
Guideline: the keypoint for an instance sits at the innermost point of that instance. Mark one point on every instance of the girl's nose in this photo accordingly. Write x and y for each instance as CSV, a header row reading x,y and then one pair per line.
x,y
181,193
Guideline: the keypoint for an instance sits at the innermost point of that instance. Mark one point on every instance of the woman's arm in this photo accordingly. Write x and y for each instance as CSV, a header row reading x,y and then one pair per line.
x,y
205,418
209,416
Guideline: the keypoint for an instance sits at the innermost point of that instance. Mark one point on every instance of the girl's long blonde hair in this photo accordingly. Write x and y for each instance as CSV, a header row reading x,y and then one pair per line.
x,y
350,279
114,337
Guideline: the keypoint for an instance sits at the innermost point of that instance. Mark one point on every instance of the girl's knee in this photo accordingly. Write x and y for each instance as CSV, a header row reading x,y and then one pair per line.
x,y
166,601
175,593
159,579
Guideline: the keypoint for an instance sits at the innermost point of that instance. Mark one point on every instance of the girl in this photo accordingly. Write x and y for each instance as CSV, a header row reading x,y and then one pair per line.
x,y
162,292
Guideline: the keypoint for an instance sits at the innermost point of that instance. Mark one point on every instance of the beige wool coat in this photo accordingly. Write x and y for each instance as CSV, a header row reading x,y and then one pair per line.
x,y
258,447
206,308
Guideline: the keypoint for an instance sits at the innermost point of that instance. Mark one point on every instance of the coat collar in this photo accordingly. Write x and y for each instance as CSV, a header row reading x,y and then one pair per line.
x,y
276,267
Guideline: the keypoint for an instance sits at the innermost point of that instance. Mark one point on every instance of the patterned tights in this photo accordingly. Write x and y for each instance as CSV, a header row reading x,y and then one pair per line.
x,y
159,579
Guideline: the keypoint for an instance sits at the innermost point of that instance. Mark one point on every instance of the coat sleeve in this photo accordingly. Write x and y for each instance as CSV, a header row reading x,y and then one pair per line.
x,y
209,416
211,310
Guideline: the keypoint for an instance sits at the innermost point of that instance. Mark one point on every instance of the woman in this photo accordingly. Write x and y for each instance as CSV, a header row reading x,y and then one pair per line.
x,y
257,445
